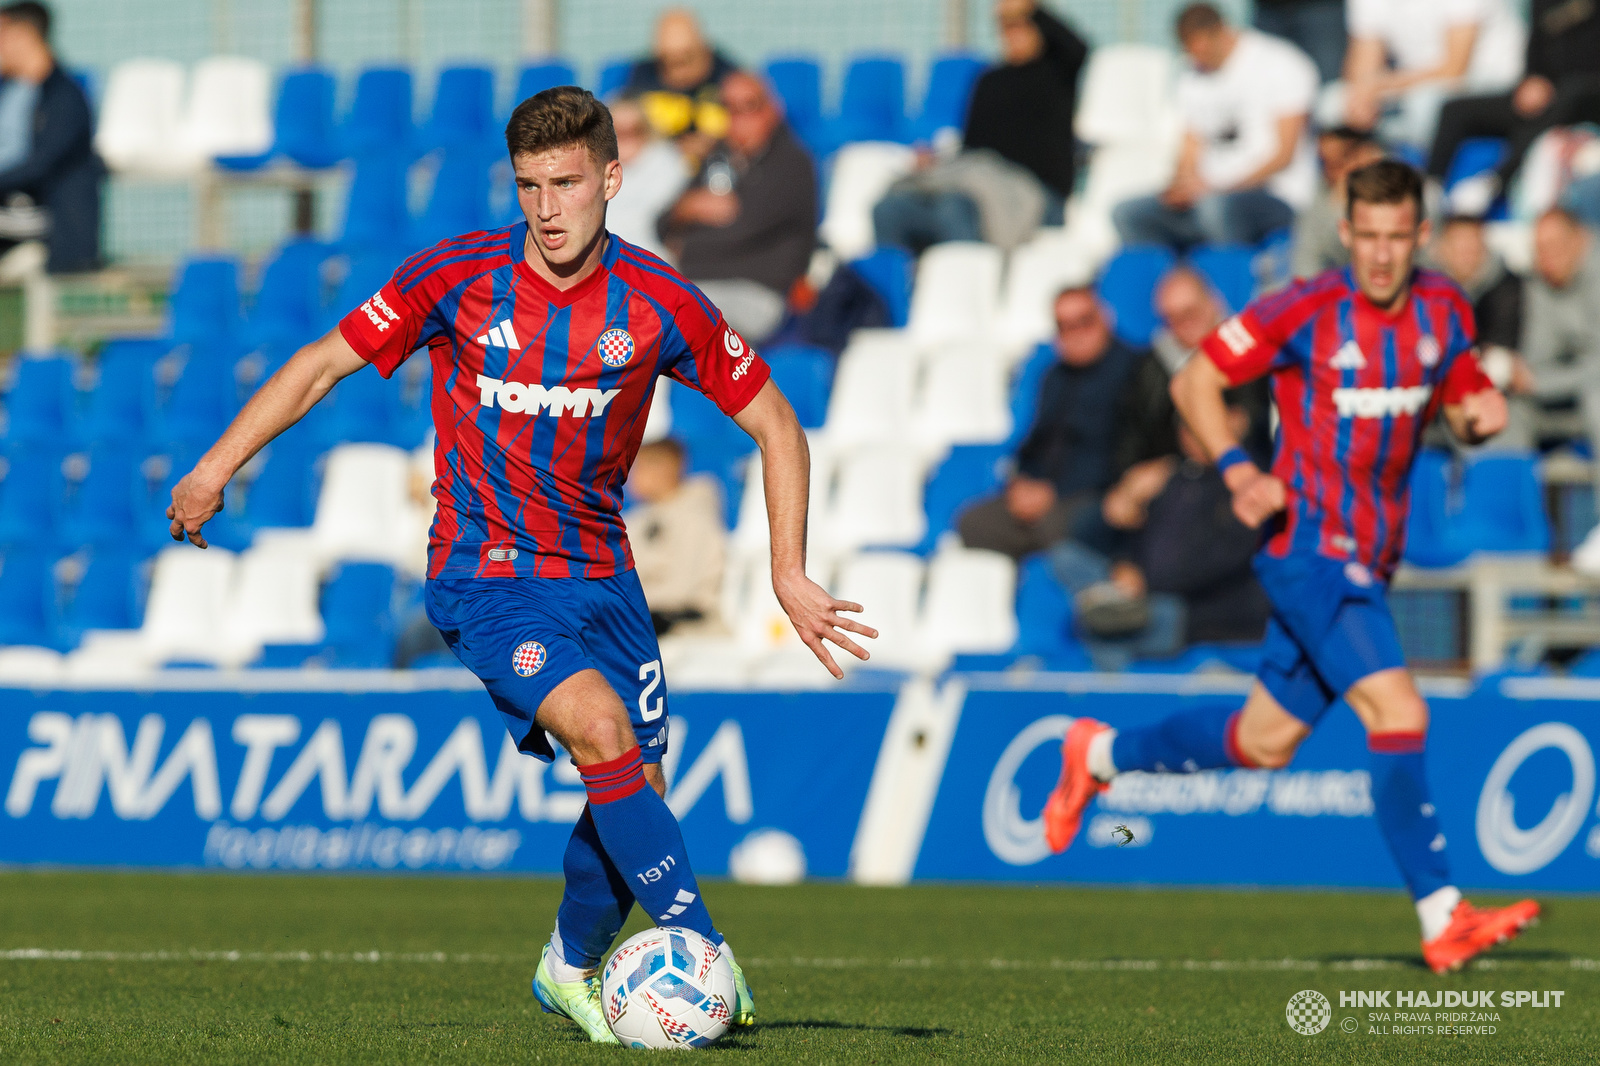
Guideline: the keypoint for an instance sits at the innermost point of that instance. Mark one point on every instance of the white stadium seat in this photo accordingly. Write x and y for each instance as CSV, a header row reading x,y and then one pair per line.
x,y
1036,272
971,602
752,533
658,423
877,500
1126,95
364,511
273,601
957,292
184,617
229,109
889,586
141,118
873,390
963,400
862,173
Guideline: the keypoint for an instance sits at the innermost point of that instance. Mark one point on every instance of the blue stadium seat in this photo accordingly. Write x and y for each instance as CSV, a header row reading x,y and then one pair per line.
x,y
414,386
805,375
376,217
27,596
1502,505
890,271
950,84
463,110
123,395
305,129
366,272
535,78
1231,271
105,596
379,120
363,407
798,82
197,393
459,202
614,75
41,403
968,473
1474,156
1044,618
715,444
205,301
872,106
1127,286
288,306
99,506
1025,391
152,493
284,491
32,494
1431,540
358,610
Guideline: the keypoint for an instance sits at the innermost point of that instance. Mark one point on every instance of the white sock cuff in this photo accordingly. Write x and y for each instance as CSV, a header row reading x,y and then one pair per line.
x,y
1434,910
1099,755
560,969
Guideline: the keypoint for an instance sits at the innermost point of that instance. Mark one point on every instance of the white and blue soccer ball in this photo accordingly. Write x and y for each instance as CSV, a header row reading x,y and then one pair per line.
x,y
668,988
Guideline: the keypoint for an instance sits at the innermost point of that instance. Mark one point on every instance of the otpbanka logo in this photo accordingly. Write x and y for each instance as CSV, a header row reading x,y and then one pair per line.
x,y
1308,1012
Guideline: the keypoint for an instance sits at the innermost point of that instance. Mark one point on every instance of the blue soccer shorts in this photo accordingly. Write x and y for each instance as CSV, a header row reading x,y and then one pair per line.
x,y
524,636
1330,628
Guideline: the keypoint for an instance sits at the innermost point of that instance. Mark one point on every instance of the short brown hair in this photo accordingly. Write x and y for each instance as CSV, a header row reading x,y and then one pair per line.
x,y
562,116
1197,18
1388,181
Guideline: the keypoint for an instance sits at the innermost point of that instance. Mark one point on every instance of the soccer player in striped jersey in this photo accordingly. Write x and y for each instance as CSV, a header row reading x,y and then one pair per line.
x,y
546,339
1361,360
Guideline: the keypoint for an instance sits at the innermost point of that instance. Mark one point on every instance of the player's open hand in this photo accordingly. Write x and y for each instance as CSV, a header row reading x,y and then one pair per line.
x,y
816,617
1257,495
1484,414
194,503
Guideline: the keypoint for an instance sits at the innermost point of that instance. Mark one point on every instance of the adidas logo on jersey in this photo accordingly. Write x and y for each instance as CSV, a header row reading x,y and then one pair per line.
x,y
1348,357
1381,403
500,336
518,398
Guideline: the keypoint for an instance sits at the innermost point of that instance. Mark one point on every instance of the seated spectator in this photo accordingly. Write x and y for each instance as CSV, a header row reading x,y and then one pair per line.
x,y
1183,574
1316,246
1406,57
1316,27
653,175
1496,293
51,186
1015,170
745,229
1560,86
678,83
1245,166
676,532
1069,456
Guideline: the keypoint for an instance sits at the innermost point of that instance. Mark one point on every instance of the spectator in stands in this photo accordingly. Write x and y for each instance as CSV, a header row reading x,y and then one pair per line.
x,y
1316,246
676,531
678,84
1068,457
1437,48
51,186
745,229
1560,327
1015,169
1496,293
1246,163
1560,86
653,175
1316,27
1182,575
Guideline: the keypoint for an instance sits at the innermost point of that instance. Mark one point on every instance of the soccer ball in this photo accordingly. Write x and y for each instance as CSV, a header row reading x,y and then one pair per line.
x,y
668,988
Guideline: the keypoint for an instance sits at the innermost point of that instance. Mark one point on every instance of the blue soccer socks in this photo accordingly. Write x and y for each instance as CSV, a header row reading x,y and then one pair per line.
x,y
641,837
596,902
1405,812
1203,739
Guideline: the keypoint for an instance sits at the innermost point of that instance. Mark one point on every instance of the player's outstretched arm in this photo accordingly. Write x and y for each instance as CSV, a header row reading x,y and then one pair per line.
x,y
786,470
281,401
1197,392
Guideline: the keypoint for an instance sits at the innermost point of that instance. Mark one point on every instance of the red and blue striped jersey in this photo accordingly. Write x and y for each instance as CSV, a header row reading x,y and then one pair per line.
x,y
540,394
1355,386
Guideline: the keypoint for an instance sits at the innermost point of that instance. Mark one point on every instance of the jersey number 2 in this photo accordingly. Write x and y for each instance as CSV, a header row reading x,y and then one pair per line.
x,y
651,671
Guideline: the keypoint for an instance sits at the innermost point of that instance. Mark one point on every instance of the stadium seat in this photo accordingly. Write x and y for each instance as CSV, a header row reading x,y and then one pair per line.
x,y
40,403
27,597
877,501
805,375
970,604
358,613
944,106
862,173
228,115
1044,618
187,606
1025,384
614,75
535,78
123,392
957,294
751,532
152,492
1502,505
1474,156
379,120
366,271
459,202
1035,273
305,129
204,306
873,389
273,601
889,586
99,506
363,509
1128,287
463,110
1116,172
1230,270
140,118
376,217
872,105
889,271
197,393
104,596
32,494
963,400
288,305
363,407
968,473
1126,95
798,83
1432,536
284,490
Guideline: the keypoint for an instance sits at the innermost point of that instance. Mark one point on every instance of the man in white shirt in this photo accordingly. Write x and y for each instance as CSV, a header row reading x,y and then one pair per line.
x,y
1406,57
1246,164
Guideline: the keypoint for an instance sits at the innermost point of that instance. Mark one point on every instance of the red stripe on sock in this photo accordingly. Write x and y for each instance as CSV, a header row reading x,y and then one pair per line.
x,y
615,779
1230,743
1397,743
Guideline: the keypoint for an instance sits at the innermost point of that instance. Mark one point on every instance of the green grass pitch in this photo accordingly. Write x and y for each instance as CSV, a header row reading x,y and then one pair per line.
x,y
279,969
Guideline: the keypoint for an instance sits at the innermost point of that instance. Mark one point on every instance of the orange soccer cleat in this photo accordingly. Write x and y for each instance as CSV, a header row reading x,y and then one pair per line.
x,y
1063,811
1472,932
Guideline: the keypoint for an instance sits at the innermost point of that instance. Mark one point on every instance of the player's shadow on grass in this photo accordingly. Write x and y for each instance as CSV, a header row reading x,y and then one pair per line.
x,y
1502,956
916,1031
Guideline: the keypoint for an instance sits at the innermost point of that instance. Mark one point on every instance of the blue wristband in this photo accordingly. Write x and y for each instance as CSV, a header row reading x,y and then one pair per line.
x,y
1232,457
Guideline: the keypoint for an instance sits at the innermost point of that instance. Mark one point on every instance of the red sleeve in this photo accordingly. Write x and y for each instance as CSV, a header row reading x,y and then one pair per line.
x,y
726,367
1242,347
385,329
1464,378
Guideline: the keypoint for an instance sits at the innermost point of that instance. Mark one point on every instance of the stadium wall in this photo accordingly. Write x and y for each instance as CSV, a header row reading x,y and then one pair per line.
x,y
880,782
